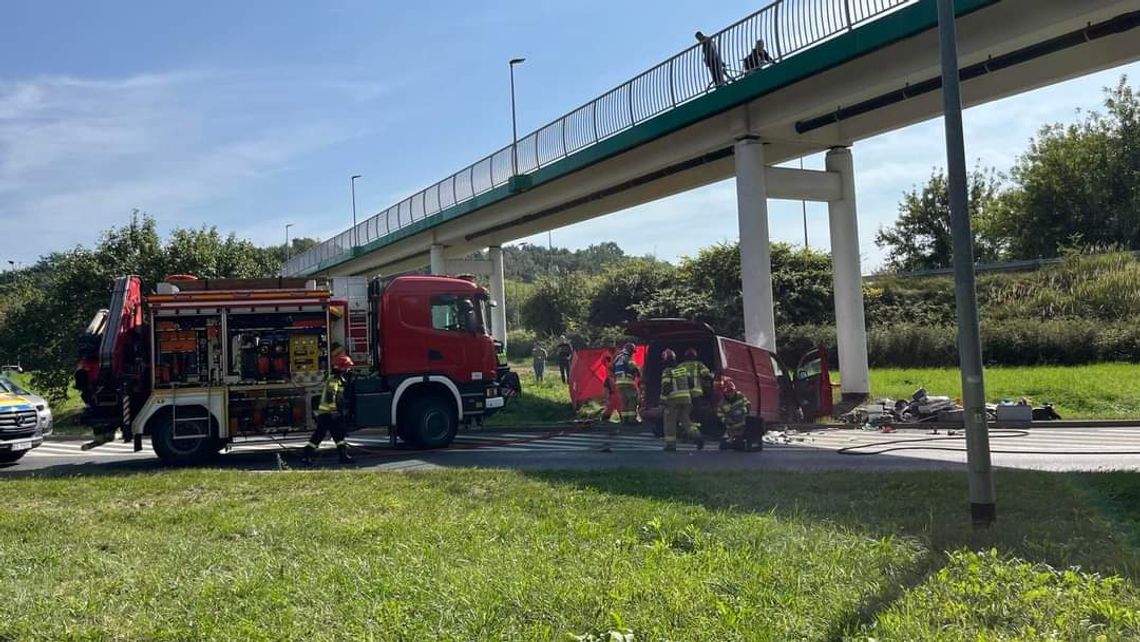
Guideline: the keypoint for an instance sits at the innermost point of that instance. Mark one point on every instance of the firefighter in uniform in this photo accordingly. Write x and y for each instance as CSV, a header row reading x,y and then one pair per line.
x,y
701,379
329,412
625,374
677,400
733,412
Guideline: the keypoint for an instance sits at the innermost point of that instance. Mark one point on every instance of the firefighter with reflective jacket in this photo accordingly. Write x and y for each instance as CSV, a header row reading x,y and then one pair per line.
x,y
733,412
329,412
701,379
677,400
625,374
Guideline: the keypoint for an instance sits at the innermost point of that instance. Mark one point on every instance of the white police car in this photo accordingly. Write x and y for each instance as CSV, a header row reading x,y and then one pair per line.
x,y
24,421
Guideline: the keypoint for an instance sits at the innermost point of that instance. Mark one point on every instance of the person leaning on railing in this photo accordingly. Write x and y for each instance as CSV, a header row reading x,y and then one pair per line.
x,y
713,61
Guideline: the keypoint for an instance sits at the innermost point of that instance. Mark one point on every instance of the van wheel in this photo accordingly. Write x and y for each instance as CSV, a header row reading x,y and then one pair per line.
x,y
430,422
193,443
12,457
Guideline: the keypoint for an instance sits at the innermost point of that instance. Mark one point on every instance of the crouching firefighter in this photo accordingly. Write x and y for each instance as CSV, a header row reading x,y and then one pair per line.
x,y
677,400
329,413
733,412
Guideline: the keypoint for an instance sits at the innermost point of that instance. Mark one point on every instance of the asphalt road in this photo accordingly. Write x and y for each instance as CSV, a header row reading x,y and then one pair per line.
x,y
1052,449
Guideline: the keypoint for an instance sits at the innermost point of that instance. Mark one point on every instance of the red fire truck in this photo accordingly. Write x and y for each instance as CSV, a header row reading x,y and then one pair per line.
x,y
204,363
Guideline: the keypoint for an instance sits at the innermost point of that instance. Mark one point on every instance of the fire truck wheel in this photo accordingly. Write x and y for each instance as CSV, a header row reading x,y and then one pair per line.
x,y
430,422
12,457
182,451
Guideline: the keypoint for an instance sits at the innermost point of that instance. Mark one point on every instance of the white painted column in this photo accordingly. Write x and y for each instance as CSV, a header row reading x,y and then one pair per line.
x,y
437,260
498,295
847,279
755,253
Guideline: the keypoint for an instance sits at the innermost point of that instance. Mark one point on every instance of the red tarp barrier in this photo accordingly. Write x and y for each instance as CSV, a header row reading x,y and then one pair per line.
x,y
588,373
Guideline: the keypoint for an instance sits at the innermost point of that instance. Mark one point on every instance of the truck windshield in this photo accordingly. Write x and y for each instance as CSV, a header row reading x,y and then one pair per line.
x,y
457,314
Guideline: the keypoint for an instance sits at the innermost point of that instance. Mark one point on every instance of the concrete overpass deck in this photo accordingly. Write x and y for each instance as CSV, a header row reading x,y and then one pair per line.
x,y
843,70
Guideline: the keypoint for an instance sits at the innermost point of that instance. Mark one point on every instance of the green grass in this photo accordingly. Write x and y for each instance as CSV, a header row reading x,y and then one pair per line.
x,y
545,403
491,555
1103,391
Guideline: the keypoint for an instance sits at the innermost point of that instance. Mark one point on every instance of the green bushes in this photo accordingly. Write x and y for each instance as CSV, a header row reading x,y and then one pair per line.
x,y
1077,311
520,343
1007,343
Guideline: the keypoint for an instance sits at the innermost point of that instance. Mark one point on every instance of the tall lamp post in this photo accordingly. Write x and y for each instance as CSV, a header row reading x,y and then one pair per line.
x,y
355,234
980,470
287,253
514,121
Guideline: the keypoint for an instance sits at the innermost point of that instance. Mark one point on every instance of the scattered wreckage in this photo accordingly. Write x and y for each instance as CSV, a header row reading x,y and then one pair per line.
x,y
923,408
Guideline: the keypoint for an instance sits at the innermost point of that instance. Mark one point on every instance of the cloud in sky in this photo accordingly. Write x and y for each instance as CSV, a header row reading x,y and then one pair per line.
x,y
76,155
250,149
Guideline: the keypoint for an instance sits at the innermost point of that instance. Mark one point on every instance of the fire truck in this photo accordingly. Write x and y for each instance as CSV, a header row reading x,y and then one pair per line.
x,y
203,364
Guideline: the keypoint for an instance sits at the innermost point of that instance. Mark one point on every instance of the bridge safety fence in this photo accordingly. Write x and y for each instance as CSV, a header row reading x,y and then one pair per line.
x,y
781,30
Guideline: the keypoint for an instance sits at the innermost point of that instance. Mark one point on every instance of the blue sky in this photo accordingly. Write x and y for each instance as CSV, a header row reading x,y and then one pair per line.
x,y
250,115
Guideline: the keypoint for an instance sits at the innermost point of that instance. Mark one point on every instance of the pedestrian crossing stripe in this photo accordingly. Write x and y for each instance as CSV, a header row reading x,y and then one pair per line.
x,y
1066,441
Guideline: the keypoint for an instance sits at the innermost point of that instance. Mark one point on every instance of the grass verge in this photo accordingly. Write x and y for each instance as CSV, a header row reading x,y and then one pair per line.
x,y
1102,391
548,556
540,403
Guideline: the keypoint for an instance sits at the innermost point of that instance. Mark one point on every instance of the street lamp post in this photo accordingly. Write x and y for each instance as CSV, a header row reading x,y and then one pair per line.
x,y
355,234
514,121
287,226
978,465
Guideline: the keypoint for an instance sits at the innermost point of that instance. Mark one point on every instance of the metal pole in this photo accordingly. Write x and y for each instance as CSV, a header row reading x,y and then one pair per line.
x,y
514,121
355,234
803,204
287,226
981,482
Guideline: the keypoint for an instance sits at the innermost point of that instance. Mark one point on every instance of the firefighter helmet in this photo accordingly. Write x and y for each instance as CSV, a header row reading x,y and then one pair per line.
x,y
691,353
668,356
343,363
628,348
729,388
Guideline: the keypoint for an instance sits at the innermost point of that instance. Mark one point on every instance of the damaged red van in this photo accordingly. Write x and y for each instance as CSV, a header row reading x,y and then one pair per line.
x,y
776,394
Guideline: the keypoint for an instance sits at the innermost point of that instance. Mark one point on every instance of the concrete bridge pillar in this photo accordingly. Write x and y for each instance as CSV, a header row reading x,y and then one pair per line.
x,y
755,253
438,263
850,323
498,295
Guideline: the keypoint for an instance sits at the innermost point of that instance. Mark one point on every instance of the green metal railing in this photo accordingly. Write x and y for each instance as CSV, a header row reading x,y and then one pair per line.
x,y
768,37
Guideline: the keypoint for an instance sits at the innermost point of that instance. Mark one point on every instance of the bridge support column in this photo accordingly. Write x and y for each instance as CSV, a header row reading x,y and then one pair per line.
x,y
755,253
438,263
847,280
498,295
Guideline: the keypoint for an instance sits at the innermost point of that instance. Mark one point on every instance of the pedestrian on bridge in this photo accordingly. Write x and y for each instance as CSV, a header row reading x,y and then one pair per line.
x,y
759,57
713,61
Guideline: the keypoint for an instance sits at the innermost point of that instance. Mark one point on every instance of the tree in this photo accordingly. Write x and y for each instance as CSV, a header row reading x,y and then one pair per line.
x,y
708,288
1079,185
623,287
557,305
46,306
921,237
